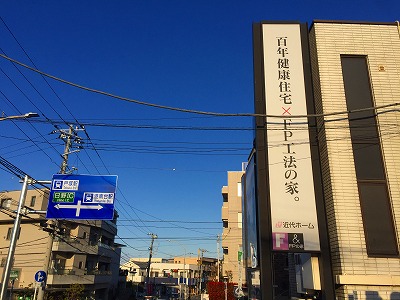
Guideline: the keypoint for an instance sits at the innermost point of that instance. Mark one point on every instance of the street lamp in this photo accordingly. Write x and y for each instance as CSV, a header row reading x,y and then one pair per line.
x,y
17,222
25,116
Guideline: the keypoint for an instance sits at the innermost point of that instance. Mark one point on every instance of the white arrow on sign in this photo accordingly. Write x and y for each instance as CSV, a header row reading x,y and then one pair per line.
x,y
78,207
40,277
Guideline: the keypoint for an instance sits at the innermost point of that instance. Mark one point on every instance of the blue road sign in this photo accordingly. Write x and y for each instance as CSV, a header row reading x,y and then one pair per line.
x,y
82,197
40,276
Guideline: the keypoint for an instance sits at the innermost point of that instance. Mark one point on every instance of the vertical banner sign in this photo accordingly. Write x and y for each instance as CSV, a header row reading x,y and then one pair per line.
x,y
292,196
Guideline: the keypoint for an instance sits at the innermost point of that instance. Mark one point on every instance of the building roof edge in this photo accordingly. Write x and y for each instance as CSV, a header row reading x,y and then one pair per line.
x,y
352,22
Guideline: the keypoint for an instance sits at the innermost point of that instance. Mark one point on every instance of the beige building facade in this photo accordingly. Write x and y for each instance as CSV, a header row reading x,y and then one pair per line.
x,y
232,237
356,67
83,252
344,77
159,268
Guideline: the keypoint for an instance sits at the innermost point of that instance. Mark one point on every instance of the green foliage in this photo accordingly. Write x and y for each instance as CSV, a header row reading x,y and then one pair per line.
x,y
53,295
24,293
74,292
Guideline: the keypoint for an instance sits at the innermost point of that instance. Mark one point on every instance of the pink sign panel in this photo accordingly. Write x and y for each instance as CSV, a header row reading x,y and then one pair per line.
x,y
280,241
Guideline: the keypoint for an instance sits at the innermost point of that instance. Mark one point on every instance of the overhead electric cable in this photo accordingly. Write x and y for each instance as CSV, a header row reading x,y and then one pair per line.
x,y
35,143
44,78
188,110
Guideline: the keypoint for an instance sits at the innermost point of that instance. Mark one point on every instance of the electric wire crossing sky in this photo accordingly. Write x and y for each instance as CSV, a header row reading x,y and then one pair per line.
x,y
84,197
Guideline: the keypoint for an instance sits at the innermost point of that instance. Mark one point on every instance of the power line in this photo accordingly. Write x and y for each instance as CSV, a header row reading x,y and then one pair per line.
x,y
33,128
48,84
188,110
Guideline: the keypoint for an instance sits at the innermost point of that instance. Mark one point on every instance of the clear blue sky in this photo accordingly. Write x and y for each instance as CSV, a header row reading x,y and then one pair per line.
x,y
195,55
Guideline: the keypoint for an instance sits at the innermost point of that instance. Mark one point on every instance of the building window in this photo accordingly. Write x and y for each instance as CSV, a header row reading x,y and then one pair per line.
x,y
239,189
377,216
225,250
225,197
9,233
33,201
6,203
239,220
225,223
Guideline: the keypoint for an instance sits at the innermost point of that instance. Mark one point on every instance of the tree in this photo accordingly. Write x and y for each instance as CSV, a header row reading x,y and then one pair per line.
x,y
25,293
74,292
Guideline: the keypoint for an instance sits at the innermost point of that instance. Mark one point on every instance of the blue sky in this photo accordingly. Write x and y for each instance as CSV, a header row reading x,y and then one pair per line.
x,y
195,55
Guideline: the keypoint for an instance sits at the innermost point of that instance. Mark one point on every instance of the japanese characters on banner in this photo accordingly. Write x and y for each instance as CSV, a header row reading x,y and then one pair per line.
x,y
292,197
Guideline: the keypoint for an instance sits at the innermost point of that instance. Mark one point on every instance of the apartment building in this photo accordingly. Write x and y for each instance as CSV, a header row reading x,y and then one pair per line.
x,y
83,252
161,268
336,228
181,274
231,238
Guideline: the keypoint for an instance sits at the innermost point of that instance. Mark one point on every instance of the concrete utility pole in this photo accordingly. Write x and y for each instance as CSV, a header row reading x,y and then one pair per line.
x,y
146,283
218,257
68,137
239,290
201,269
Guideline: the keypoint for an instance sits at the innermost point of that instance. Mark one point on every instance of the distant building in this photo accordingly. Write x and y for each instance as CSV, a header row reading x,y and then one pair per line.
x,y
182,273
84,252
325,171
232,238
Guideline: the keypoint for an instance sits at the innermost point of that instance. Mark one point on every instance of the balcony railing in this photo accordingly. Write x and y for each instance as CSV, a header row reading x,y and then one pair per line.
x,y
98,272
73,272
62,272
88,247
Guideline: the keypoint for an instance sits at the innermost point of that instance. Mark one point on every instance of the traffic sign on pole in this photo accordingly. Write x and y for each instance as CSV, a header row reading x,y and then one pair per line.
x,y
40,276
83,197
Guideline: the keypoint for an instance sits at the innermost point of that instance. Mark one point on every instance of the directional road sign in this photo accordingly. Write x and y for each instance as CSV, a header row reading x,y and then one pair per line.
x,y
83,197
40,276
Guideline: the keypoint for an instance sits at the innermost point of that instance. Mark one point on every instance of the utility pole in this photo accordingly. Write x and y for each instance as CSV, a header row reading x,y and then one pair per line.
x,y
68,137
239,290
67,140
201,270
218,257
153,237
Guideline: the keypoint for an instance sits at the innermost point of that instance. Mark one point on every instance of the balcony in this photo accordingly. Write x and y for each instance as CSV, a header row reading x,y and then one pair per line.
x,y
70,276
81,246
103,224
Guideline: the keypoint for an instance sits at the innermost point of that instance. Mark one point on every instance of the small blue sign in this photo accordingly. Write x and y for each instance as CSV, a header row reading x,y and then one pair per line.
x,y
82,197
40,276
